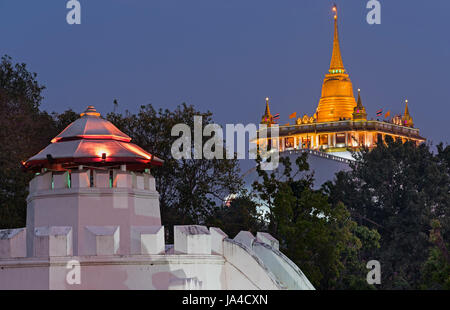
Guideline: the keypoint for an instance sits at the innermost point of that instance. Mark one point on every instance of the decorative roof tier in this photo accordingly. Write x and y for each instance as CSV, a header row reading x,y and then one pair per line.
x,y
91,140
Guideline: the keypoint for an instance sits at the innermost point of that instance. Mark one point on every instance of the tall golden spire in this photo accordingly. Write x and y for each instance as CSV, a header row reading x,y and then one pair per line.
x,y
337,101
336,65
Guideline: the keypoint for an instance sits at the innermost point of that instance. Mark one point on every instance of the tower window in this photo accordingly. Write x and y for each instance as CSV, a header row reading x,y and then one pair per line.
x,y
91,178
111,178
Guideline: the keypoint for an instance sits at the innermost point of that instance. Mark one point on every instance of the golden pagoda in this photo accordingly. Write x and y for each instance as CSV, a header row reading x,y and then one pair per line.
x,y
340,123
337,101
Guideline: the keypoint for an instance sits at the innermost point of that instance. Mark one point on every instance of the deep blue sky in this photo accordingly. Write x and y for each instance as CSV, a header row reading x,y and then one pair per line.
x,y
228,55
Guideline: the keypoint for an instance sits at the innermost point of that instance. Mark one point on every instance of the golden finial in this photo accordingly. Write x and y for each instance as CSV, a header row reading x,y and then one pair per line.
x,y
336,65
90,110
267,112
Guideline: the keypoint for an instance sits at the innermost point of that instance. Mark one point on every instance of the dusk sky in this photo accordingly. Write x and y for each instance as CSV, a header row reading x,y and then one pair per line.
x,y
227,56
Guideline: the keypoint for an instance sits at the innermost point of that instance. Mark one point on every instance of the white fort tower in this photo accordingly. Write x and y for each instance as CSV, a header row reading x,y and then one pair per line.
x,y
93,222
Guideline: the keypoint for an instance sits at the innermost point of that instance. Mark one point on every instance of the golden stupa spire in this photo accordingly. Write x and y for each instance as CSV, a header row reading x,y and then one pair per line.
x,y
337,101
336,65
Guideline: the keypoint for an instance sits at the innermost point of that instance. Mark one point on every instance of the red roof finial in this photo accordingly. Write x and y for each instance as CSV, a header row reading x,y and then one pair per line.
x,y
90,110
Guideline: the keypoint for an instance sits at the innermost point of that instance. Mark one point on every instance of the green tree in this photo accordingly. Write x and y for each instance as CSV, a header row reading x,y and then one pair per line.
x,y
190,189
436,269
241,213
320,237
62,120
397,188
24,131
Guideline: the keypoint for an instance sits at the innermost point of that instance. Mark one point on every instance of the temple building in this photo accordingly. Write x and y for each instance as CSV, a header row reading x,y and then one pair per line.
x,y
340,123
93,222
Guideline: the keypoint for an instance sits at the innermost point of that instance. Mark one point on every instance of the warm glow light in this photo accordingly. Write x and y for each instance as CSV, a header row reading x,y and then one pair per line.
x,y
101,152
138,151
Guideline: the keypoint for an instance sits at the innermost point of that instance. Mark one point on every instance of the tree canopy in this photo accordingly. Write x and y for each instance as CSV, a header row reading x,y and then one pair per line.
x,y
399,189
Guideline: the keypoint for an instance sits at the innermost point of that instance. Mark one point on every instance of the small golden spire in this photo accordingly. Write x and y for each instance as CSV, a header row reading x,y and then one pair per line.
x,y
267,107
407,119
359,112
336,65
267,118
359,103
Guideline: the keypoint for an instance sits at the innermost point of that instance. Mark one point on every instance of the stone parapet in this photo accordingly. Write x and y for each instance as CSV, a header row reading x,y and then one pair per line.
x,y
13,243
52,241
192,239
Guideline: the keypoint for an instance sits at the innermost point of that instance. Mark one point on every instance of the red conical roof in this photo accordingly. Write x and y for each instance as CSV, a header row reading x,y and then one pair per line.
x,y
91,140
91,126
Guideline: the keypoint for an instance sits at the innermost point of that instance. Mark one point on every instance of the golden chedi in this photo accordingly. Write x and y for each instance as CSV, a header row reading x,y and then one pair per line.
x,y
337,101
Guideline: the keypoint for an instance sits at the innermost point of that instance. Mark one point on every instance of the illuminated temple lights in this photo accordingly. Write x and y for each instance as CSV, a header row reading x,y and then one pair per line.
x,y
340,122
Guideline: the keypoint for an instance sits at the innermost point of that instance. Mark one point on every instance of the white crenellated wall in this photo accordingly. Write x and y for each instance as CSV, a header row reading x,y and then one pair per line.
x,y
113,231
232,265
